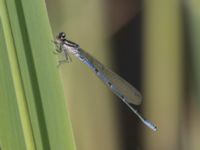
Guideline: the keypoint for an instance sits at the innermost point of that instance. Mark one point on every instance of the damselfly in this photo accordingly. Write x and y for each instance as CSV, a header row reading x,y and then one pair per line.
x,y
126,92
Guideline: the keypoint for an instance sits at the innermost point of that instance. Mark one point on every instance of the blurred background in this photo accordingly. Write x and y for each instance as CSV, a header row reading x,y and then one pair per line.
x,y
154,45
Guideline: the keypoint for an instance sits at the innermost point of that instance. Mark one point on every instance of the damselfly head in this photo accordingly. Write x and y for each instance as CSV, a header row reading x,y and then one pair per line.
x,y
61,36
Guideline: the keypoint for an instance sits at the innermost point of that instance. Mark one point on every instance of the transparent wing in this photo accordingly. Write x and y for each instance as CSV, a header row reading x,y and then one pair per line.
x,y
117,84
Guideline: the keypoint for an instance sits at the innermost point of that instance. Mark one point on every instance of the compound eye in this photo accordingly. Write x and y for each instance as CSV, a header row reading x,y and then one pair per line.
x,y
61,35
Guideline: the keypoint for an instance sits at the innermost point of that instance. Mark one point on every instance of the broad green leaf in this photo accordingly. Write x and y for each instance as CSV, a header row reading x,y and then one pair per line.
x,y
32,101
